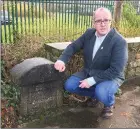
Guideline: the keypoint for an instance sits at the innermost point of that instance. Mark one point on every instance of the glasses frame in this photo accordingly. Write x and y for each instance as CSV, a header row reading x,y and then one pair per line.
x,y
105,21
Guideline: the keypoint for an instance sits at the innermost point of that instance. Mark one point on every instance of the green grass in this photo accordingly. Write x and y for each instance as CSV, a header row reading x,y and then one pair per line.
x,y
60,26
130,23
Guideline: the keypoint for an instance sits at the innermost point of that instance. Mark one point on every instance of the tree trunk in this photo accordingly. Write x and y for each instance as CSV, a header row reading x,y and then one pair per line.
x,y
117,12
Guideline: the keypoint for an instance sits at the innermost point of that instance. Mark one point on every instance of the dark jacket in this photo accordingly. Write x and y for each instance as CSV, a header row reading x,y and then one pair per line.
x,y
110,60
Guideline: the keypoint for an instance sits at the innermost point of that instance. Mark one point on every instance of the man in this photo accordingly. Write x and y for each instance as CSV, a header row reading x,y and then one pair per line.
x,y
105,56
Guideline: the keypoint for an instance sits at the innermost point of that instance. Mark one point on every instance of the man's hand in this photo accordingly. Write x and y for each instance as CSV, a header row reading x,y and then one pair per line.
x,y
84,84
59,65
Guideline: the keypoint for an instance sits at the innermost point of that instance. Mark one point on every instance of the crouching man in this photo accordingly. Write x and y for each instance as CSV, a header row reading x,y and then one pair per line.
x,y
105,57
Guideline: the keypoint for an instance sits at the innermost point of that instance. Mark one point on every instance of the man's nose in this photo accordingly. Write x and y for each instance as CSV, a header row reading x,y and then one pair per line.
x,y
102,23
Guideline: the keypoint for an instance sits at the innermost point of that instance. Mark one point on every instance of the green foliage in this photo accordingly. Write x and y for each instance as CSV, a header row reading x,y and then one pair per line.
x,y
119,92
2,69
66,93
129,25
130,15
10,93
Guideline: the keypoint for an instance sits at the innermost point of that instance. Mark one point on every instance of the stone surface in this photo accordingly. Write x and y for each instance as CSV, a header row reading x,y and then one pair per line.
x,y
38,98
138,71
126,112
41,85
54,50
138,56
34,71
138,62
59,46
133,40
133,64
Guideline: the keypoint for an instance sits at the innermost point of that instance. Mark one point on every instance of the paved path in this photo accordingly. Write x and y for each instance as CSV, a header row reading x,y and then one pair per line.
x,y
127,111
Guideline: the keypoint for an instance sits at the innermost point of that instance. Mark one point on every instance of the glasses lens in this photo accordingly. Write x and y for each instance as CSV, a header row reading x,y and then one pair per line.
x,y
105,21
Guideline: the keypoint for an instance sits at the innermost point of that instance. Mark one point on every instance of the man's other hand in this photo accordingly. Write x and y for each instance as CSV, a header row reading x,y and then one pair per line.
x,y
59,65
84,84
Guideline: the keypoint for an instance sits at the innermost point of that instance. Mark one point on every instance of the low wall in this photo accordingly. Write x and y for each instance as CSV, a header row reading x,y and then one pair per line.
x,y
54,50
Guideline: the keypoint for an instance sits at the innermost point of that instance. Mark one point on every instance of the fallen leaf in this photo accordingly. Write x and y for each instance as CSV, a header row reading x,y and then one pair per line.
x,y
126,114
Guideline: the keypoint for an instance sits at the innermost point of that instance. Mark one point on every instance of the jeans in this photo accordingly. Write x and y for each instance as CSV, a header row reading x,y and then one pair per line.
x,y
103,92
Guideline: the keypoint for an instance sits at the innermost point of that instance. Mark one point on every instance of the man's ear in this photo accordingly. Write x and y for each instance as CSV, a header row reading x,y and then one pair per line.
x,y
92,21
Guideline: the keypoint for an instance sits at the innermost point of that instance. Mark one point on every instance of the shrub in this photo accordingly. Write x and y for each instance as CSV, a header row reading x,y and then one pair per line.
x,y
130,15
130,21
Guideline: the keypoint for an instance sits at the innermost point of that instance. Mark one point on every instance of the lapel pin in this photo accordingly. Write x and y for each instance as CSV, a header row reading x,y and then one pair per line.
x,y
101,48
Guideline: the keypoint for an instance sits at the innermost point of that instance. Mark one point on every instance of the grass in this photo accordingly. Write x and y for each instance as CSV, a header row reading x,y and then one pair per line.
x,y
62,27
130,22
128,30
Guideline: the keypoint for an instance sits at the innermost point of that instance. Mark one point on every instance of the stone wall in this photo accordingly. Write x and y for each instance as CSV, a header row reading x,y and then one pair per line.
x,y
54,50
133,67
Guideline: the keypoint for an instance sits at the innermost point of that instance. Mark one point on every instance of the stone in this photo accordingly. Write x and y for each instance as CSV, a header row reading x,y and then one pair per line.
x,y
34,71
138,71
48,55
131,73
130,46
39,98
138,56
60,46
41,85
138,63
131,56
55,49
133,40
133,64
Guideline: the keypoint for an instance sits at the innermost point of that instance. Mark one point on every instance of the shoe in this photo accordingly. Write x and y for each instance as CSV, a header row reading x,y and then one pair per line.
x,y
107,112
92,102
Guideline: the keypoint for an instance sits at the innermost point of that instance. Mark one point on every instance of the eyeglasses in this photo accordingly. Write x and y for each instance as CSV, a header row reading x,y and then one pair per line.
x,y
105,21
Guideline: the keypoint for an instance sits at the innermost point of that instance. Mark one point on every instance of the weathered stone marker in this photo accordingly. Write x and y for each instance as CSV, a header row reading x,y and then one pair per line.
x,y
41,85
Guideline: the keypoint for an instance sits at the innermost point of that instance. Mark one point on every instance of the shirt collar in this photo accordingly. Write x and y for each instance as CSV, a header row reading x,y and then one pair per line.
x,y
102,37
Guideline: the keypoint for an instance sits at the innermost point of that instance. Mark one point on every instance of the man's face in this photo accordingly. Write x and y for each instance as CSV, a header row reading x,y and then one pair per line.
x,y
102,22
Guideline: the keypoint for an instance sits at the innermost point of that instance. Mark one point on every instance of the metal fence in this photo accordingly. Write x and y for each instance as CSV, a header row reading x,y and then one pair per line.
x,y
54,20
60,19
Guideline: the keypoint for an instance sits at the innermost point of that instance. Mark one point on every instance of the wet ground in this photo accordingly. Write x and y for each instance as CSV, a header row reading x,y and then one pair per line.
x,y
126,114
67,117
